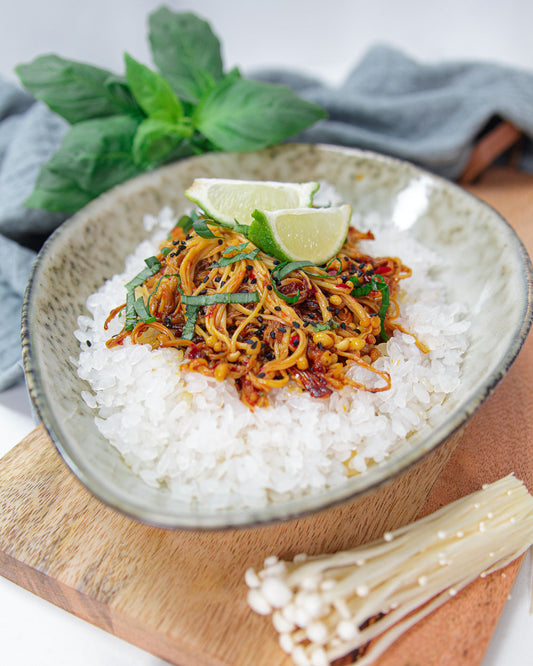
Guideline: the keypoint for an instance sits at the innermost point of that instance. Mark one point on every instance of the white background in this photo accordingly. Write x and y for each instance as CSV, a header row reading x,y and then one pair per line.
x,y
316,37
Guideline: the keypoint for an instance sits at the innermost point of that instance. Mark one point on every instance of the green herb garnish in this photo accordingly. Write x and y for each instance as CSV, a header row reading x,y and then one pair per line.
x,y
240,256
285,267
142,311
191,315
131,315
383,288
152,266
200,227
125,125
325,326
224,297
326,268
287,299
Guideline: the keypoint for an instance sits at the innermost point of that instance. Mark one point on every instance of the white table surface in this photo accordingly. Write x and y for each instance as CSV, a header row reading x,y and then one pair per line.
x,y
254,33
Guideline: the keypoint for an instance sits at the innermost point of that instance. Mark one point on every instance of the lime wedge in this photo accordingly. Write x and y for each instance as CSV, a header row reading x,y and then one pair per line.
x,y
310,234
228,200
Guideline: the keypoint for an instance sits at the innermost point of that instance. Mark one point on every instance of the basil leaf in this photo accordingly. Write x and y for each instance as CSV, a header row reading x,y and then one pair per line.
x,y
131,314
97,154
152,92
191,313
57,192
186,52
240,256
235,248
142,312
120,91
242,115
152,266
383,287
201,228
325,326
241,228
287,299
224,297
339,271
74,90
155,139
185,222
283,269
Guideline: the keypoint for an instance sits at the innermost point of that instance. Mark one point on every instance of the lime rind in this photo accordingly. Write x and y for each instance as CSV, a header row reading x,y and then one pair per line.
x,y
311,234
231,200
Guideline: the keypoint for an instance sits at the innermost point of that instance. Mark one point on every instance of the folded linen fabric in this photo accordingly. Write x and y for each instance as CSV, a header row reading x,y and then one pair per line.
x,y
390,103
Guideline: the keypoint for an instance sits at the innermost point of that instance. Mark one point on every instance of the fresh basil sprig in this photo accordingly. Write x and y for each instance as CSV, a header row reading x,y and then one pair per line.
x,y
125,125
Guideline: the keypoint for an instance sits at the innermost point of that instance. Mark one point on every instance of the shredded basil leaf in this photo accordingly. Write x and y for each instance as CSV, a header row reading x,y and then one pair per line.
x,y
142,311
235,248
242,229
226,261
286,267
131,315
385,298
325,326
211,299
287,299
326,268
201,228
380,286
191,313
166,250
152,266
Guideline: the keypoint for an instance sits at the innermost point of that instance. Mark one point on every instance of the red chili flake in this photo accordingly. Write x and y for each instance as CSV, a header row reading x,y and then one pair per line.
x,y
381,270
194,352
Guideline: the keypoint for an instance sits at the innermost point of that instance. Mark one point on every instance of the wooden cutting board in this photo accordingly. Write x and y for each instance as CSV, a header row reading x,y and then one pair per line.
x,y
181,595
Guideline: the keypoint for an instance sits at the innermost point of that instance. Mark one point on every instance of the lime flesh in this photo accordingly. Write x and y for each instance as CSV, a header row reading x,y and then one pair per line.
x,y
227,200
310,234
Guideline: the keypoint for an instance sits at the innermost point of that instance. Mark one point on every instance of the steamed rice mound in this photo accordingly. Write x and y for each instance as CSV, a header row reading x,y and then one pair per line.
x,y
194,436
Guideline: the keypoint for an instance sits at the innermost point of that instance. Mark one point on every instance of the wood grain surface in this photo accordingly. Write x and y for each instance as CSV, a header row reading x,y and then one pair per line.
x,y
181,595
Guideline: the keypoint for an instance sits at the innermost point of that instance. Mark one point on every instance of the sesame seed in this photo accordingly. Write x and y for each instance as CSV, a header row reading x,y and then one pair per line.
x,y
261,374
269,287
277,308
296,324
220,241
272,334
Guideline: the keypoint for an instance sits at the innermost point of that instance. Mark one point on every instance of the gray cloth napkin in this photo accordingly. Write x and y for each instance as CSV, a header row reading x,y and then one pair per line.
x,y
390,103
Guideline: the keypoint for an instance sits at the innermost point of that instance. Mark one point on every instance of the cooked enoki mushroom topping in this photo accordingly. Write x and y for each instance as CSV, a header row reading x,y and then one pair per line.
x,y
239,313
360,601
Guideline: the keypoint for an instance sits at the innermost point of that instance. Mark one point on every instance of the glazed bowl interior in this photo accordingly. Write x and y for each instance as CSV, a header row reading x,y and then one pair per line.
x,y
489,271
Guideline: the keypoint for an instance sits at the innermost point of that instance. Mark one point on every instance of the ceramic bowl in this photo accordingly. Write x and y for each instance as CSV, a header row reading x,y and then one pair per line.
x,y
490,272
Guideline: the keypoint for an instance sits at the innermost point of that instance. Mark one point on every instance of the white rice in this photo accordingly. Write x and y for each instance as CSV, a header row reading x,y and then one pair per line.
x,y
193,435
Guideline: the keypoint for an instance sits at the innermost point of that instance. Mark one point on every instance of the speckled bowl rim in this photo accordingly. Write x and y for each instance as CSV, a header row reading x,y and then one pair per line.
x,y
380,475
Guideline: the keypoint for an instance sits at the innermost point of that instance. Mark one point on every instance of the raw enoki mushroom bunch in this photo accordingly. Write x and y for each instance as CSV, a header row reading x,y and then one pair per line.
x,y
328,606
